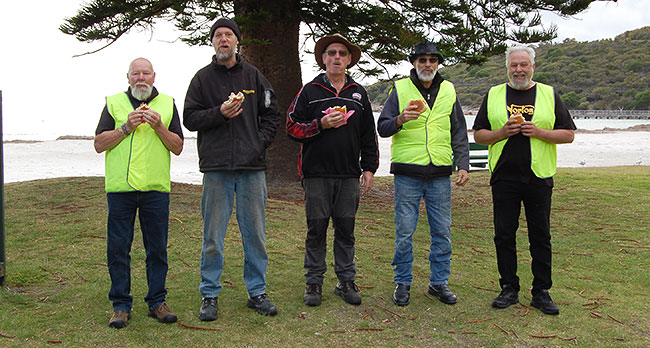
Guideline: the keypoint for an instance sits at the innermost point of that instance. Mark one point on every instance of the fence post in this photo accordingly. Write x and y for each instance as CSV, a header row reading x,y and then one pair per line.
x,y
3,269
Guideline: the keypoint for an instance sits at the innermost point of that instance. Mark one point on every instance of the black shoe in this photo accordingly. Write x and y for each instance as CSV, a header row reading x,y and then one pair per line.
x,y
313,294
507,297
208,311
543,301
262,305
401,296
349,292
443,293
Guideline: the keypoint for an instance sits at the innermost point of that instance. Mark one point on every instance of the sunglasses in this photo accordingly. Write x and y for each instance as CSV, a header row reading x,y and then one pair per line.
x,y
332,53
423,60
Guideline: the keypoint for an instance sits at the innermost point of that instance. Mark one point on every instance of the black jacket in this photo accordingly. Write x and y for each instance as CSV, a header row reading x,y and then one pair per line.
x,y
336,152
231,144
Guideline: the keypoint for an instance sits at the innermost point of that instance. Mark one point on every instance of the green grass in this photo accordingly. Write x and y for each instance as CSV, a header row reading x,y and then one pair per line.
x,y
57,280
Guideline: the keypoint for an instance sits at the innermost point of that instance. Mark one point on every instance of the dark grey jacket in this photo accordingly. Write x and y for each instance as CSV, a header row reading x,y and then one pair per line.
x,y
231,144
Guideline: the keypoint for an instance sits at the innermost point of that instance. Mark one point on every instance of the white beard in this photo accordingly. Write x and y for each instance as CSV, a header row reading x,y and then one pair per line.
x,y
520,86
140,93
426,77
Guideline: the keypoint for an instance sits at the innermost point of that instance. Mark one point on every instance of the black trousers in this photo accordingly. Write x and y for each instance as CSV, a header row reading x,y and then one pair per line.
x,y
337,198
507,197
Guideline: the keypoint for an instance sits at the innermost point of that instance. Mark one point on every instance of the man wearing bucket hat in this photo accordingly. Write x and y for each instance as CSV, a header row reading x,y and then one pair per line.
x,y
428,130
337,147
232,141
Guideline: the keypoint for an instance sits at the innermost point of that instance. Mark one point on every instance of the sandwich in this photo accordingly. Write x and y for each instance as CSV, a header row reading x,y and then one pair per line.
x,y
419,104
517,117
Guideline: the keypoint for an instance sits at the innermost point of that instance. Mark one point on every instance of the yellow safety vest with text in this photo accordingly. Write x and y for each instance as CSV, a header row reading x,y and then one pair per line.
x,y
140,162
428,138
543,154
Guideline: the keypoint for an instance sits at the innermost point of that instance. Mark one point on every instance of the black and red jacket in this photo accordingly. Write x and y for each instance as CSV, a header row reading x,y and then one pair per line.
x,y
340,152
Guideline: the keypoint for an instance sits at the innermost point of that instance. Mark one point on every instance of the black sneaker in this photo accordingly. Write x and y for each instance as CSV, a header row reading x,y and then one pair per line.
x,y
208,311
507,297
349,292
313,294
401,296
543,301
443,293
262,305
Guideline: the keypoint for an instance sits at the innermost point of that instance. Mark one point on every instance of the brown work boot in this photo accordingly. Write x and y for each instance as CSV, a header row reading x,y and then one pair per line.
x,y
163,314
119,319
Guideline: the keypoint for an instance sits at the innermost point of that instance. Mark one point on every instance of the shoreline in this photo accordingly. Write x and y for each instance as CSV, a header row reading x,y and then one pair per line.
x,y
605,130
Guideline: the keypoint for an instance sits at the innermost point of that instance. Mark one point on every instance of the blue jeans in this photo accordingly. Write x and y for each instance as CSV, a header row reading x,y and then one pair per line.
x,y
153,211
219,190
436,192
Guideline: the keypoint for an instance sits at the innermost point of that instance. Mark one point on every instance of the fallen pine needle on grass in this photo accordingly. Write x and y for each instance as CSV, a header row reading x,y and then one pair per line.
x,y
199,328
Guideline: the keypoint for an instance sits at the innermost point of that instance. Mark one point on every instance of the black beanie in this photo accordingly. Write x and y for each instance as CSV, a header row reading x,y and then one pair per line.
x,y
228,23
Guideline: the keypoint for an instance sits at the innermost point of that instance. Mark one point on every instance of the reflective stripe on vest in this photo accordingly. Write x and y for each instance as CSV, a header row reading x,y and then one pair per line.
x,y
140,162
543,154
427,139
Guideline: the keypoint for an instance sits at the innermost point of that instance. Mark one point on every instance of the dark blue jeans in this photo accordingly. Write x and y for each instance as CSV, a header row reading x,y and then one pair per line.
x,y
337,198
153,212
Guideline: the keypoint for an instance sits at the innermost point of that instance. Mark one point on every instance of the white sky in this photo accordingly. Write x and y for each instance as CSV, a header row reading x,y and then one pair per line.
x,y
47,93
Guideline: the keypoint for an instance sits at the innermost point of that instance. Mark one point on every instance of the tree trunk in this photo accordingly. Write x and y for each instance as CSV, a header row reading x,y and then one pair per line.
x,y
279,60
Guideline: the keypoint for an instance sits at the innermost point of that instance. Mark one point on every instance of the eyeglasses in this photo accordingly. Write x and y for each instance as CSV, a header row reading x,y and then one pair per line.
x,y
332,53
423,60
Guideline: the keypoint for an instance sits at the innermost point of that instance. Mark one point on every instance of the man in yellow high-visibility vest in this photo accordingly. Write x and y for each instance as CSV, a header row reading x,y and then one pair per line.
x,y
137,130
522,121
425,141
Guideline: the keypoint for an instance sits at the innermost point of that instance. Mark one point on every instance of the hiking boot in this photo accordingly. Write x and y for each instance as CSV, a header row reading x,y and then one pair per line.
x,y
543,301
401,296
443,293
313,294
119,319
507,297
208,311
262,305
349,292
163,314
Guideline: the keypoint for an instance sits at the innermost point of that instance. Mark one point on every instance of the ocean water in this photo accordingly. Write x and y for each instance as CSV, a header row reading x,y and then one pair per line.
x,y
52,131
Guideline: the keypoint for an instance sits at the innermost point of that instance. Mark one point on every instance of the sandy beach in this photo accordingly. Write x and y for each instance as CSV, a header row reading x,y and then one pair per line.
x,y
24,161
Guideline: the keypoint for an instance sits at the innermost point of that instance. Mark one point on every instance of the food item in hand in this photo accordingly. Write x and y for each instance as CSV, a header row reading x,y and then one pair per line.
x,y
419,103
235,97
343,109
143,107
518,118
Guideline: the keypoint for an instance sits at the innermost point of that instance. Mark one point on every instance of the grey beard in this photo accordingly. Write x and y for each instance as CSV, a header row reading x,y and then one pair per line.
x,y
520,86
223,56
141,94
426,78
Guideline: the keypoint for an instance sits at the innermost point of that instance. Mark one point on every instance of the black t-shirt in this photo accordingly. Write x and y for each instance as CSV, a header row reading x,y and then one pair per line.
x,y
514,163
107,122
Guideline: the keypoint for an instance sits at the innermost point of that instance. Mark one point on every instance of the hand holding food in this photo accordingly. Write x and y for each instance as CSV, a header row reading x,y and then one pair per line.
x,y
239,97
343,110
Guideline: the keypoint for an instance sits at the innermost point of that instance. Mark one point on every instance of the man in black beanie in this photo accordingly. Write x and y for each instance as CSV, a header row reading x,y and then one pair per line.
x,y
232,139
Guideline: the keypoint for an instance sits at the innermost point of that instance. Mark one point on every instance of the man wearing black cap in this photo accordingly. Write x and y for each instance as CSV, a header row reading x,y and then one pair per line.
x,y
232,139
425,138
338,147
